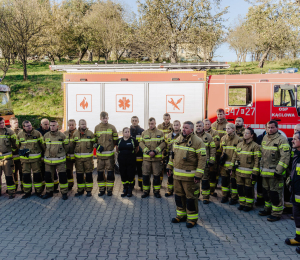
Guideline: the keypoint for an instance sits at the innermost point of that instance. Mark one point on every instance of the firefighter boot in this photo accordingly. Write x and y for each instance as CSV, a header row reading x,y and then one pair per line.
x,y
145,195
47,195
129,192
292,242
125,190
27,195
65,196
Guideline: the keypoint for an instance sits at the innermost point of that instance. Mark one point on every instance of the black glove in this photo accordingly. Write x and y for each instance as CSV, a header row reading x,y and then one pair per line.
x,y
24,152
228,171
254,177
223,159
100,148
165,153
147,152
197,178
276,175
154,152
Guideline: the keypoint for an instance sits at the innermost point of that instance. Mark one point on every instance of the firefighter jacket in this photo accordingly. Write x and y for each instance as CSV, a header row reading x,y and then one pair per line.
x,y
240,131
220,127
7,143
216,138
55,152
275,155
107,136
246,159
166,129
84,141
210,146
189,158
15,151
228,147
152,140
136,132
295,178
32,141
171,139
70,146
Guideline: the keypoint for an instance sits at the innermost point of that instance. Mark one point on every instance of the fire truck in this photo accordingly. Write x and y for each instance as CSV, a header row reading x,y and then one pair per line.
x,y
182,90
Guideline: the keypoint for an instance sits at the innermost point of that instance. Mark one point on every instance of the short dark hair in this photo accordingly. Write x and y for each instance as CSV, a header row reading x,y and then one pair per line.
x,y
273,122
25,122
189,123
298,135
167,114
1,118
241,118
220,110
151,119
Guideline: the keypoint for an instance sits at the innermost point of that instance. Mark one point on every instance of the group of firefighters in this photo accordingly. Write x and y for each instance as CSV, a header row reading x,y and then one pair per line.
x,y
191,155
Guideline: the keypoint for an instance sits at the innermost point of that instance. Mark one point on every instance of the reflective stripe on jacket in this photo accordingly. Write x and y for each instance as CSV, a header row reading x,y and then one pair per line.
x,y
189,158
84,144
210,146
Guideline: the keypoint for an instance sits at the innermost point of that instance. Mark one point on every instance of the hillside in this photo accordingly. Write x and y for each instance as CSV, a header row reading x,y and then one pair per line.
x,y
42,96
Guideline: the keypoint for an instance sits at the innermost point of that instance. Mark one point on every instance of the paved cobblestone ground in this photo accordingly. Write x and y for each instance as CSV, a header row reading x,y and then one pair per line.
x,y
135,228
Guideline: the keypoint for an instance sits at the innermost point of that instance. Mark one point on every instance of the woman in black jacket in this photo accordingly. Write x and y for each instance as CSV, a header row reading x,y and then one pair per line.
x,y
295,190
127,149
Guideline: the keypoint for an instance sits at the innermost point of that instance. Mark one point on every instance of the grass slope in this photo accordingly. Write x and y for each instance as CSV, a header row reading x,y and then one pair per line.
x,y
41,95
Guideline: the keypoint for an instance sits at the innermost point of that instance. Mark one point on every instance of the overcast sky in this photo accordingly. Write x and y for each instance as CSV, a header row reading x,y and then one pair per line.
x,y
236,8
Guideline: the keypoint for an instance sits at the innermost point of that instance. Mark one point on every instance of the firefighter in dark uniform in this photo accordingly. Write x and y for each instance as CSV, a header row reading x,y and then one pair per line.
x,y
293,183
136,132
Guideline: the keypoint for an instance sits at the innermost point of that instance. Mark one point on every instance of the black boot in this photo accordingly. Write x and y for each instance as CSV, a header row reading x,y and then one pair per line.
x,y
65,196
129,193
145,195
56,188
89,194
78,194
101,193
48,195
27,195
157,195
125,190
224,199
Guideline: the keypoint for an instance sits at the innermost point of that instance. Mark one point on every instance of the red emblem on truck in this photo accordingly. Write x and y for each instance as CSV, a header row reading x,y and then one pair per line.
x,y
124,103
84,104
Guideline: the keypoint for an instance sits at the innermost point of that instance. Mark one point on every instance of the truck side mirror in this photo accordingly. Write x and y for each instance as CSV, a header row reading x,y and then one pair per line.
x,y
276,89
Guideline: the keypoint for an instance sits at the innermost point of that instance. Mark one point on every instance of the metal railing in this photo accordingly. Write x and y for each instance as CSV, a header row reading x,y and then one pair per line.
x,y
148,66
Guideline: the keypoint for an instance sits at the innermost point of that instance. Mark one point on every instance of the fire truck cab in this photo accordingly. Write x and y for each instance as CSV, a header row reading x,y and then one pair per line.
x,y
257,99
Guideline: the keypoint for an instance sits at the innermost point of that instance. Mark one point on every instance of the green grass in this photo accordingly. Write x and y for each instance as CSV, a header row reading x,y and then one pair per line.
x,y
41,95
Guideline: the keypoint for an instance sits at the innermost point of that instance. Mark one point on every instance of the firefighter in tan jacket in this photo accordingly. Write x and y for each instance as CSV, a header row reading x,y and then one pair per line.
x,y
213,175
245,161
166,127
7,143
30,143
152,144
106,139
211,158
14,125
275,158
187,164
70,152
55,160
228,146
84,140
170,144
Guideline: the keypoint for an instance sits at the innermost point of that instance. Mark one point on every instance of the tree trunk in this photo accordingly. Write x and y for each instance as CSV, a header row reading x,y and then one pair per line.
x,y
173,53
263,58
90,56
81,54
51,58
59,58
24,63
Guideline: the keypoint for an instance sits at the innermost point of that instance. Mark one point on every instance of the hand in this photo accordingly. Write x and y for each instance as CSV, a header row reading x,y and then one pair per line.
x,y
152,154
276,175
196,179
254,177
169,172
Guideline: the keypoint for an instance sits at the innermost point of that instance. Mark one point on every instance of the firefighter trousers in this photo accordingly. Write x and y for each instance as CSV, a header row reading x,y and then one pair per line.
x,y
227,181
35,169
7,166
139,171
205,185
296,214
84,166
245,190
18,174
107,164
272,190
127,172
70,168
50,171
154,167
214,174
186,199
